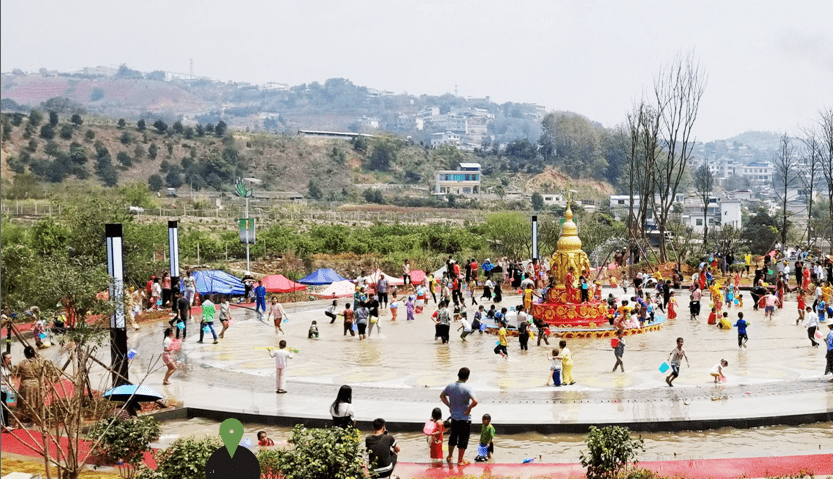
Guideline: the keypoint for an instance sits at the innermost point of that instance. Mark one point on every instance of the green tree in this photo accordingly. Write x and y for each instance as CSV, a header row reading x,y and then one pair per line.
x,y
220,129
90,135
703,185
124,159
327,453
32,145
140,125
313,190
610,451
373,195
125,441
177,127
152,151
188,133
384,154
52,149
160,126
538,201
53,118
186,458
173,179
155,182
760,231
77,120
138,153
66,131
121,123
126,138
35,117
200,130
78,155
48,131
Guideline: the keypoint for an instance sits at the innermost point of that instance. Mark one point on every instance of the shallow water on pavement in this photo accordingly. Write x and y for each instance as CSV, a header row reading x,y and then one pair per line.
x,y
565,448
406,355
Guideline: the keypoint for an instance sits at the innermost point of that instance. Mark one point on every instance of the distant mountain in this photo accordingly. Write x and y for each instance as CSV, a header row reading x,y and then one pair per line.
x,y
760,140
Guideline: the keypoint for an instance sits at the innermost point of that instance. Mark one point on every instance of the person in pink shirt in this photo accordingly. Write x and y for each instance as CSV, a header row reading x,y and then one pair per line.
x,y
770,304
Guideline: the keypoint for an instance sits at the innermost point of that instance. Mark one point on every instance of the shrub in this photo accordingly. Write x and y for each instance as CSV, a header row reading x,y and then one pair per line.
x,y
184,459
66,131
126,138
610,450
90,135
125,440
48,131
316,454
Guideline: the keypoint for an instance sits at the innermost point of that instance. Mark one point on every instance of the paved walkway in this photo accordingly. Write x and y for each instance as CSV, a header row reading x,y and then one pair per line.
x,y
400,375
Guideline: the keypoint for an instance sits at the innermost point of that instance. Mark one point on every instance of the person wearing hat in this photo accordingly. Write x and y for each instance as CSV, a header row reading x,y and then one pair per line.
x,y
829,343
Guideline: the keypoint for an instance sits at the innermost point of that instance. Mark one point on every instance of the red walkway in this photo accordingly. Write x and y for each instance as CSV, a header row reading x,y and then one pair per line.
x,y
817,464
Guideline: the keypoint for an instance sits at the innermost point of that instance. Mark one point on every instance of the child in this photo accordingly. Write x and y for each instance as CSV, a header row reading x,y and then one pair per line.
x,y
394,306
330,312
740,301
555,368
501,347
492,311
465,326
724,323
675,361
264,440
597,291
409,309
348,315
487,434
313,332
713,316
476,319
567,363
741,324
583,285
277,313
717,371
281,357
435,439
800,306
618,352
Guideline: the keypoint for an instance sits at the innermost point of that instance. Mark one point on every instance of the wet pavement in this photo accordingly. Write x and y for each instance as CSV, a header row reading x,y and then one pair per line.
x,y
400,373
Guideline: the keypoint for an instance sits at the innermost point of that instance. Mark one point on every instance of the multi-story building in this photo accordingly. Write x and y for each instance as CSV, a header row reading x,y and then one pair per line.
x,y
760,172
445,138
466,180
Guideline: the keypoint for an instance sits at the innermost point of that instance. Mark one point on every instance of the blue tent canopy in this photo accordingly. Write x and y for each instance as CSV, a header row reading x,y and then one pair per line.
x,y
321,276
216,282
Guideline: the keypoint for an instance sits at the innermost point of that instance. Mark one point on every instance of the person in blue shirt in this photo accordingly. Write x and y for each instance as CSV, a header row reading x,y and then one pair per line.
x,y
741,324
260,298
829,342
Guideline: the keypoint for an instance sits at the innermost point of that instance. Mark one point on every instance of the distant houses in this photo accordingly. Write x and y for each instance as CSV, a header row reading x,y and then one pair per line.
x,y
465,181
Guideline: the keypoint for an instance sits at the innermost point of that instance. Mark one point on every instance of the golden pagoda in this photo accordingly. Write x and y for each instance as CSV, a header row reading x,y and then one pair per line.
x,y
569,252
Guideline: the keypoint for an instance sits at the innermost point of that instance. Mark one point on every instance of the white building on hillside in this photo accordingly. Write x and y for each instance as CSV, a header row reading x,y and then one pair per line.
x,y
466,180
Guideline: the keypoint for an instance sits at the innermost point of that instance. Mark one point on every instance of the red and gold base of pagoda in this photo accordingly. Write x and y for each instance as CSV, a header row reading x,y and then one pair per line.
x,y
563,312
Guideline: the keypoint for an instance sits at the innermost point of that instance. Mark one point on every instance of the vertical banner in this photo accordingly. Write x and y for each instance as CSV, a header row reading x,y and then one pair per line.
x,y
247,230
174,258
118,334
535,237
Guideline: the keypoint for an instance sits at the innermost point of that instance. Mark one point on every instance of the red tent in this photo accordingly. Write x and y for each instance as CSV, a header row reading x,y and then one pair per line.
x,y
417,276
278,283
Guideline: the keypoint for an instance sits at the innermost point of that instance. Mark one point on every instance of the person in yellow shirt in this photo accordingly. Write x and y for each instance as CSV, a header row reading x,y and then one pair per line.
x,y
748,258
567,364
501,347
528,298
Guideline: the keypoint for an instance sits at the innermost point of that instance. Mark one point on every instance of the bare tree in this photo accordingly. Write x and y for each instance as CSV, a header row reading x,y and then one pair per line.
x,y
640,141
809,173
785,176
826,151
678,89
703,185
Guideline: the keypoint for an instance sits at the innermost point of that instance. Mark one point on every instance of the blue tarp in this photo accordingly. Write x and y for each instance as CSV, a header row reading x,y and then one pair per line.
x,y
321,276
216,282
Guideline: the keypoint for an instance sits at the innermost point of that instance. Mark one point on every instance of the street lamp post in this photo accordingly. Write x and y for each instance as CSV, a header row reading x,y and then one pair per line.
x,y
241,191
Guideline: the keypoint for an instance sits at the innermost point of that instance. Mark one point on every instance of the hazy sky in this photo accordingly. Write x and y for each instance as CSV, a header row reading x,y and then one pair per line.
x,y
769,61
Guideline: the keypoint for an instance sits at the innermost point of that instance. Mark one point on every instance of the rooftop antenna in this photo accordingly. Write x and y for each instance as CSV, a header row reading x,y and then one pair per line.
x,y
191,68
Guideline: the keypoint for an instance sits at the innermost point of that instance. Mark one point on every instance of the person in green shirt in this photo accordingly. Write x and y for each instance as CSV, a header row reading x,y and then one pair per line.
x,y
485,448
208,319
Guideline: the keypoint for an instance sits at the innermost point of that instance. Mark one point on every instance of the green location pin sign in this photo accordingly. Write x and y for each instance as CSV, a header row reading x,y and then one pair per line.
x,y
231,430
